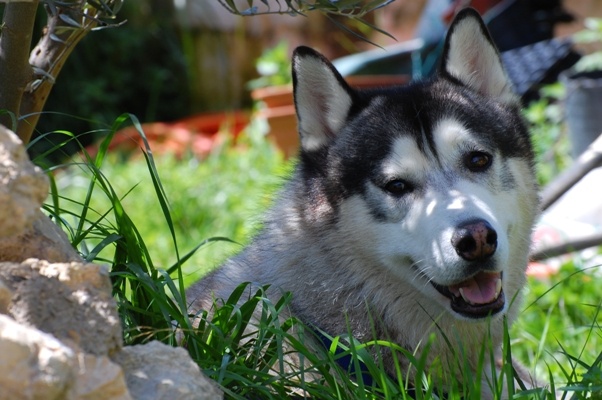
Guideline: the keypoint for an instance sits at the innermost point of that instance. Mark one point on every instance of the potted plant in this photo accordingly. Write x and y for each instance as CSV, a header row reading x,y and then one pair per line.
x,y
583,83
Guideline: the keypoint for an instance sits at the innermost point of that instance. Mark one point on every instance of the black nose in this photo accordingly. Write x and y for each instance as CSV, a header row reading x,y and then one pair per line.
x,y
475,240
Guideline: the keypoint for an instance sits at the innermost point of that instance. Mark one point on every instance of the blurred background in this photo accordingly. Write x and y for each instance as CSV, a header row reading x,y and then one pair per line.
x,y
174,59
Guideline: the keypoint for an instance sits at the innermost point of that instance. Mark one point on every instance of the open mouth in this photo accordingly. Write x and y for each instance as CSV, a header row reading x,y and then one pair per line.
x,y
476,297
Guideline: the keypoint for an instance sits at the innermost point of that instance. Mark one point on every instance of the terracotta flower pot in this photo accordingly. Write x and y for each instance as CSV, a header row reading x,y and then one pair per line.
x,y
280,113
197,133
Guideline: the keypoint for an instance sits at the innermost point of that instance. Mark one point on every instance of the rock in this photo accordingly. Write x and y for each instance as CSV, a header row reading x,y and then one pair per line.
x,y
76,276
34,365
23,186
71,301
155,371
26,232
99,378
70,307
43,240
65,308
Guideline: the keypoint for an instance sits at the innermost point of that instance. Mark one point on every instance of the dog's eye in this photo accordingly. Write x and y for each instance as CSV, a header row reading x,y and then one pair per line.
x,y
477,161
398,187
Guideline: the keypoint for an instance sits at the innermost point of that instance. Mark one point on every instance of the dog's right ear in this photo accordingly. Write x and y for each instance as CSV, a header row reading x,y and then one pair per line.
x,y
322,98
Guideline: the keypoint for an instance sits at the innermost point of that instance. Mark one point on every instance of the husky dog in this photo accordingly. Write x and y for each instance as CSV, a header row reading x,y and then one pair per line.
x,y
410,209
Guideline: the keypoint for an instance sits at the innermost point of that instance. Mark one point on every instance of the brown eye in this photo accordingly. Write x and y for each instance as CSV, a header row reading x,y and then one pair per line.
x,y
398,187
477,161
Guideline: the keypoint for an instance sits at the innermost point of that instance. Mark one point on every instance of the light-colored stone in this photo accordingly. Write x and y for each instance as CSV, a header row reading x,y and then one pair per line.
x,y
72,301
74,275
43,239
33,365
25,231
99,379
23,186
155,371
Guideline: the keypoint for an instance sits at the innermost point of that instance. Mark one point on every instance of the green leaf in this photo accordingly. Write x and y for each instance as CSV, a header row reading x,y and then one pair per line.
x,y
70,21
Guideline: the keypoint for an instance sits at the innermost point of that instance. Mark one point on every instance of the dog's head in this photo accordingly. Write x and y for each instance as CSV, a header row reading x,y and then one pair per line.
x,y
432,181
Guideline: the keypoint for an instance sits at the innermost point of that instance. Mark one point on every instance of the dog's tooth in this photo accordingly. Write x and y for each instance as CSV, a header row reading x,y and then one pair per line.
x,y
464,297
498,288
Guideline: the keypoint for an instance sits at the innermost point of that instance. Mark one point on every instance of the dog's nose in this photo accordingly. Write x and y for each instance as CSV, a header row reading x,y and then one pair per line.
x,y
475,240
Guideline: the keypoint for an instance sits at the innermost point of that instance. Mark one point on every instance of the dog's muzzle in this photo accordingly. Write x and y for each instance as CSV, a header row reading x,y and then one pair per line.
x,y
481,294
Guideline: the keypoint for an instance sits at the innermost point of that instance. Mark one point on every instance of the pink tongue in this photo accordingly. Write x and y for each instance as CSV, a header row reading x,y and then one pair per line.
x,y
480,289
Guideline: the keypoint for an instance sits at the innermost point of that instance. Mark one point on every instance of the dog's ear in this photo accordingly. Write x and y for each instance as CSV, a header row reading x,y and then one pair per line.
x,y
470,56
322,98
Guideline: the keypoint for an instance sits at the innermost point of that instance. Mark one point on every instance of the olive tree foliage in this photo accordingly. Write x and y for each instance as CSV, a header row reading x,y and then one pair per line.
x,y
27,75
352,9
347,8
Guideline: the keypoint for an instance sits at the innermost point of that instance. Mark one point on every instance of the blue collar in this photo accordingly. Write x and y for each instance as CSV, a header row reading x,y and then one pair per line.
x,y
346,361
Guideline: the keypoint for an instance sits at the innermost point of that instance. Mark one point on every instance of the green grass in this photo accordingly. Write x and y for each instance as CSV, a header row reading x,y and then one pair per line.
x,y
559,332
219,196
152,220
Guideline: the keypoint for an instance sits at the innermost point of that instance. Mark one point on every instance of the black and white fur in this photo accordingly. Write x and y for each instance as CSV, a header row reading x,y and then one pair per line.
x,y
410,206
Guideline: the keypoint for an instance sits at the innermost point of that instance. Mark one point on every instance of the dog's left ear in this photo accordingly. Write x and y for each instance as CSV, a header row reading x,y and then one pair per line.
x,y
322,98
471,57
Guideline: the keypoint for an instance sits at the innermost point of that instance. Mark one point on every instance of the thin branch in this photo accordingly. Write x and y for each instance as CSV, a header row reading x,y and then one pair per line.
x,y
568,247
591,158
356,9
15,42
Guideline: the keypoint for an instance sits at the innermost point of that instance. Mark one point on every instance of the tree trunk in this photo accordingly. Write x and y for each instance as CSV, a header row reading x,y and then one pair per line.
x,y
47,59
26,79
15,71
